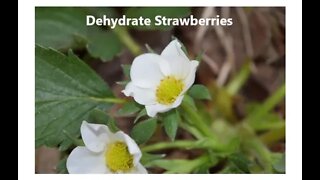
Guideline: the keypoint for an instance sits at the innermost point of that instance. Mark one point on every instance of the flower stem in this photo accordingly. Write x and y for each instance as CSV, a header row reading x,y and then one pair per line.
x,y
110,100
127,40
273,136
269,104
197,120
263,154
190,166
194,131
205,143
239,80
168,145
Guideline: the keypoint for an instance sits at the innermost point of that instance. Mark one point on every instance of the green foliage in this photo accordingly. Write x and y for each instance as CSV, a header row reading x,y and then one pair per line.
x,y
238,163
279,163
68,142
189,102
226,147
100,117
231,169
126,70
141,114
267,122
75,141
61,167
143,131
204,143
223,102
58,27
199,91
260,117
63,28
148,158
129,109
152,12
203,169
181,165
174,165
170,122
241,162
67,90
103,44
269,104
239,79
225,132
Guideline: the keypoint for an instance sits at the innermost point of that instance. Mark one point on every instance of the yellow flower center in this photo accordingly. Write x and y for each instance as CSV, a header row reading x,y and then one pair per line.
x,y
168,90
118,158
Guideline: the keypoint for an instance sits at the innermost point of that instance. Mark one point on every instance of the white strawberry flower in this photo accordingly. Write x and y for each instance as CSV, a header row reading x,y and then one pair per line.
x,y
105,152
160,81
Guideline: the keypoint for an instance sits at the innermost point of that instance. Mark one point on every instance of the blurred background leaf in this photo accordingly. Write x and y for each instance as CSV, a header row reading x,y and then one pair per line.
x,y
57,27
63,28
147,157
241,162
103,44
279,162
